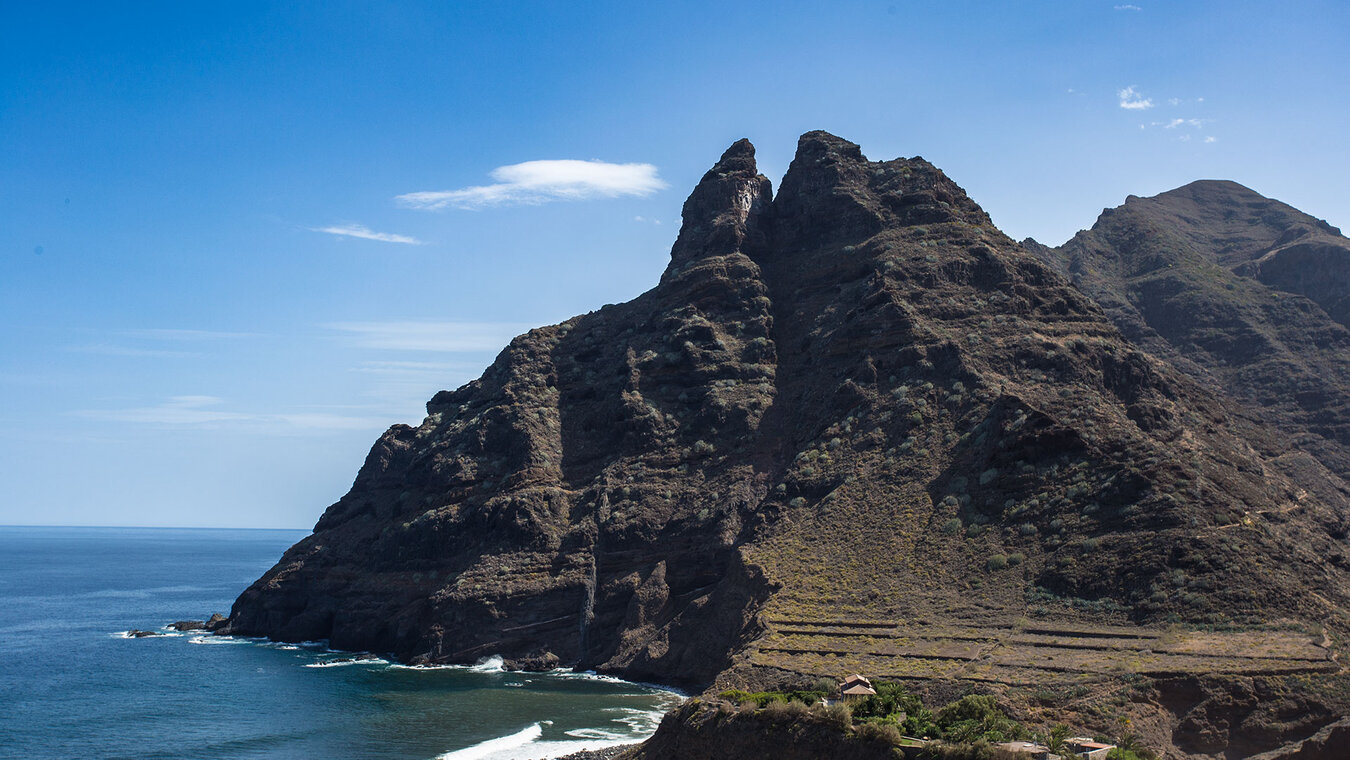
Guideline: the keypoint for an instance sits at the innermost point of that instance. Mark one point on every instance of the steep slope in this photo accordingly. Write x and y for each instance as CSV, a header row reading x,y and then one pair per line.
x,y
854,426
1239,290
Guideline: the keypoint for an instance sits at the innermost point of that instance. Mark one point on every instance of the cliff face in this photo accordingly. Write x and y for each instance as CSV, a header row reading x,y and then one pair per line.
x,y
854,427
703,731
1241,291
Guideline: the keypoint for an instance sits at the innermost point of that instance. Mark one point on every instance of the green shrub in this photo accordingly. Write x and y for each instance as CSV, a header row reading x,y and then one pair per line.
x,y
1016,558
976,717
781,711
890,698
765,698
824,685
878,732
951,527
997,562
835,716
968,751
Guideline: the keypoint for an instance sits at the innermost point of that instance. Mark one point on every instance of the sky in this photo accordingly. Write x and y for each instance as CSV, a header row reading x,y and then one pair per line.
x,y
240,240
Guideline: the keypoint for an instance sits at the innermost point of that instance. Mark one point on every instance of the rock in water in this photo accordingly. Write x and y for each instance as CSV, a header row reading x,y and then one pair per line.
x,y
854,428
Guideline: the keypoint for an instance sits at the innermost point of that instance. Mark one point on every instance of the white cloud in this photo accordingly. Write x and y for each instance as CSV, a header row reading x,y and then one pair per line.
x,y
1133,100
535,182
1128,8
1174,123
645,220
150,339
177,410
366,233
409,368
1211,139
204,411
176,334
431,336
112,349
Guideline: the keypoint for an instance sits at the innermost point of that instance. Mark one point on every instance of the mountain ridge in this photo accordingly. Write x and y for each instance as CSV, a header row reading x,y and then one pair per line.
x,y
855,403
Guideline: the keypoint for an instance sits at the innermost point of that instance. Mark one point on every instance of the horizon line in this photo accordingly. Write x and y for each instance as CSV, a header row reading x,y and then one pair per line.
x,y
147,527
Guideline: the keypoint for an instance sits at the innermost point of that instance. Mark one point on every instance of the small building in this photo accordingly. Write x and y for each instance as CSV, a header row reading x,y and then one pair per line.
x,y
1087,749
1030,749
856,687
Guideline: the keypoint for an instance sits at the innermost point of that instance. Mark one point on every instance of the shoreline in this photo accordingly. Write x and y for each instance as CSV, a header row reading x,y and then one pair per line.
x,y
606,753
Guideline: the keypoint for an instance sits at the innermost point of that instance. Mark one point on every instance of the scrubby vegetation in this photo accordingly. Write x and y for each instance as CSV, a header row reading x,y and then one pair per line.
x,y
764,698
966,729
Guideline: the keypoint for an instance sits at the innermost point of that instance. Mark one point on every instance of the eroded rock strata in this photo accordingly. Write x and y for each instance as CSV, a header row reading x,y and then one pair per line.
x,y
855,427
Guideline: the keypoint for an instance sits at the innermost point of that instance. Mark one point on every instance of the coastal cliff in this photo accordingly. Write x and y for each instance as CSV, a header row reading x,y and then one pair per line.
x,y
855,427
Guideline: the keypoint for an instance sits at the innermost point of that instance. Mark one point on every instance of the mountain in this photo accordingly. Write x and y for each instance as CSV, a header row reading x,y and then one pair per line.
x,y
854,428
1241,291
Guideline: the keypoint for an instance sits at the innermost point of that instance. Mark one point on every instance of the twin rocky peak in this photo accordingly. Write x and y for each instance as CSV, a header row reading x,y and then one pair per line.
x,y
831,193
859,401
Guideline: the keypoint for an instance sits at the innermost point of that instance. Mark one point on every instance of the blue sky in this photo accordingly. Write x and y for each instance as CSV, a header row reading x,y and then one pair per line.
x,y
241,240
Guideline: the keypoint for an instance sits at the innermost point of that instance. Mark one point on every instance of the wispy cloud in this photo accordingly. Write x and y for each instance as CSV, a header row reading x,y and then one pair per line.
x,y
406,385
410,368
1133,100
1128,8
134,352
1211,139
646,220
535,182
447,337
177,334
365,233
147,343
1174,123
207,411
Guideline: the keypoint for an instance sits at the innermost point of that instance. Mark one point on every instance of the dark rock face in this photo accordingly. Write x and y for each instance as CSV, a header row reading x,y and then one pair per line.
x,y
843,403
1238,290
715,731
1328,744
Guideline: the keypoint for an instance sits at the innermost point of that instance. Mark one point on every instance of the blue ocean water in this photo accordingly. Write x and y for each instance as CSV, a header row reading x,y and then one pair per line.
x,y
72,685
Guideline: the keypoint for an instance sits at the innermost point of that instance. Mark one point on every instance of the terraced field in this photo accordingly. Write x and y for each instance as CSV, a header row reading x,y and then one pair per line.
x,y
1030,654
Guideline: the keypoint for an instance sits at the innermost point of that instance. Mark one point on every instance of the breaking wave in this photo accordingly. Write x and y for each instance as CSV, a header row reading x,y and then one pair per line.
x,y
493,664
494,746
347,661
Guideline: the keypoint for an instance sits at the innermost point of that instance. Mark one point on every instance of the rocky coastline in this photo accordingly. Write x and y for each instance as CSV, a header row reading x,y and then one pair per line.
x,y
856,428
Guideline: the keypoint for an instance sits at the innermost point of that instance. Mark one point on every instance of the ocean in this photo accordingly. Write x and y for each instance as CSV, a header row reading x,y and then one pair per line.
x,y
73,685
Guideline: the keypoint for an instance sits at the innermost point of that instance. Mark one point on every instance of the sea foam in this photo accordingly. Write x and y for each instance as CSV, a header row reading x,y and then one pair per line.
x,y
496,747
493,664
347,661
212,639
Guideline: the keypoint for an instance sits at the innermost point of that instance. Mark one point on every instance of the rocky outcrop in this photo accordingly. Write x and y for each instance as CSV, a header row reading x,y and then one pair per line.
x,y
1327,744
1238,290
716,731
857,401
